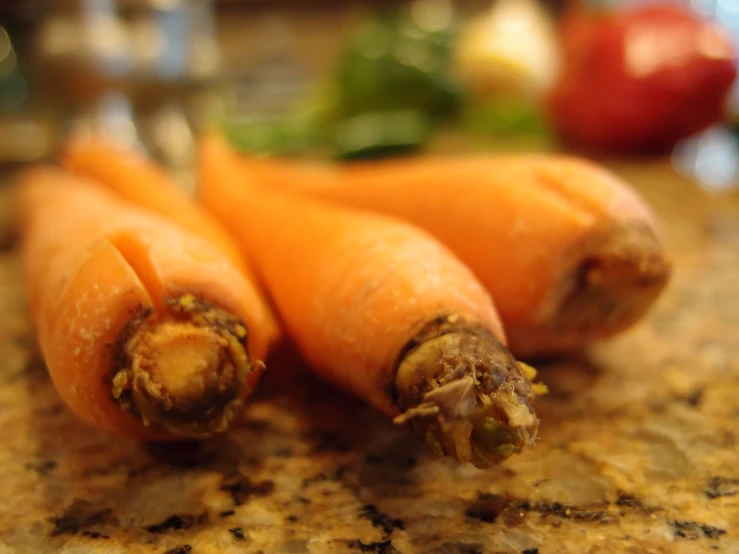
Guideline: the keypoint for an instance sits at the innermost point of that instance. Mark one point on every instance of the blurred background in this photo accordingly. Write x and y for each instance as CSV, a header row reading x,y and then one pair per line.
x,y
350,80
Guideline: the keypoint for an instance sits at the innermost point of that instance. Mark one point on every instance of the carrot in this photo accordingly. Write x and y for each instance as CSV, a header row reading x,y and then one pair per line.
x,y
568,251
134,177
147,330
382,310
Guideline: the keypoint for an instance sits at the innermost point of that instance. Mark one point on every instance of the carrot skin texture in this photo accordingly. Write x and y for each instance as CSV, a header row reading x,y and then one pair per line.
x,y
137,179
134,177
568,251
79,353
352,288
85,293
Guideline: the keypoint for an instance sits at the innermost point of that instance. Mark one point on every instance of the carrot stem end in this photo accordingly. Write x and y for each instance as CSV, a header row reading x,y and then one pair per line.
x,y
620,274
465,395
186,370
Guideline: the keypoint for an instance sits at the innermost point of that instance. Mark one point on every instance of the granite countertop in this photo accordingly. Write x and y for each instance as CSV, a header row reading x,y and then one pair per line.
x,y
639,448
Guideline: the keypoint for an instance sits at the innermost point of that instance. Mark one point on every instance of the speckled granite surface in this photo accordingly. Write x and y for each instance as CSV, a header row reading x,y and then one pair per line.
x,y
639,447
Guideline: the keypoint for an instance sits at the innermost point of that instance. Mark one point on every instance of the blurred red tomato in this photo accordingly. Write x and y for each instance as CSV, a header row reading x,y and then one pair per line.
x,y
640,79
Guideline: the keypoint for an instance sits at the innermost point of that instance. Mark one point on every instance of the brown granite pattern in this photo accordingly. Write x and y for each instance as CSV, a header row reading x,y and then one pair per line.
x,y
639,448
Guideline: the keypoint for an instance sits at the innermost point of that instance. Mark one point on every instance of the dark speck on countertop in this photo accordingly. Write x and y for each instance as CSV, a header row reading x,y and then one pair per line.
x,y
177,522
630,501
378,547
722,486
379,519
182,549
237,532
80,516
242,488
42,467
692,530
489,507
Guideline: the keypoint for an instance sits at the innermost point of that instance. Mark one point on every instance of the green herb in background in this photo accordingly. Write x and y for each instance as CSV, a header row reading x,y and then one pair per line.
x,y
272,134
394,88
13,87
393,63
392,81
380,134
505,115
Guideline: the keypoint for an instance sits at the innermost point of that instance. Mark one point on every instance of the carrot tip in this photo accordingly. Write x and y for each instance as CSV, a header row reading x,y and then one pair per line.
x,y
464,394
619,276
186,370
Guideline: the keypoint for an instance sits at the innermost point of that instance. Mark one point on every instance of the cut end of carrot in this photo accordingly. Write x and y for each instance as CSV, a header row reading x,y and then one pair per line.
x,y
465,394
620,274
186,370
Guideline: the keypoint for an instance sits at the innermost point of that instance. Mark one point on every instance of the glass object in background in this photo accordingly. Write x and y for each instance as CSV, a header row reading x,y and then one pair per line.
x,y
268,104
176,64
134,69
110,114
83,51
83,63
712,158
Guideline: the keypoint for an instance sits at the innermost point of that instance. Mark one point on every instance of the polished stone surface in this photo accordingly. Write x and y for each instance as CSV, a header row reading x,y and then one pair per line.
x,y
639,448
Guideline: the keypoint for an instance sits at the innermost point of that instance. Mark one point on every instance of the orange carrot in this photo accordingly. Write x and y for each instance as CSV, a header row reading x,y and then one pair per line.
x,y
147,330
382,310
134,177
568,251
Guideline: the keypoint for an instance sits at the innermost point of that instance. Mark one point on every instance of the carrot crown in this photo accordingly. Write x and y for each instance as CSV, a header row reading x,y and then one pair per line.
x,y
186,370
464,393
